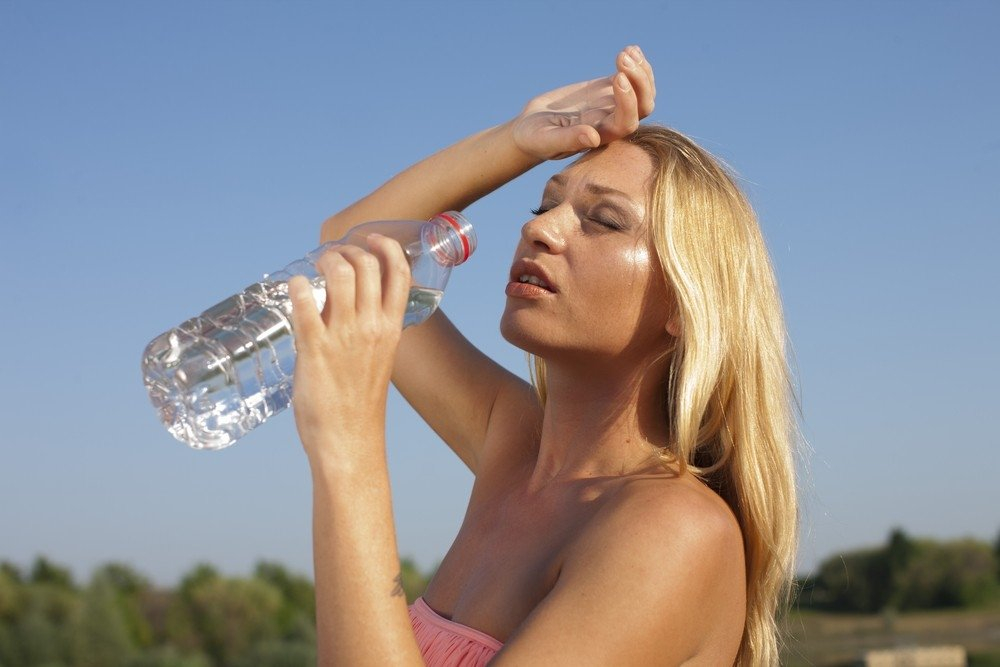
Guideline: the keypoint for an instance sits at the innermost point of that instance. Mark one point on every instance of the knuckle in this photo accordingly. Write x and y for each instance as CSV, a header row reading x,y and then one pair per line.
x,y
339,269
401,269
370,329
367,261
328,260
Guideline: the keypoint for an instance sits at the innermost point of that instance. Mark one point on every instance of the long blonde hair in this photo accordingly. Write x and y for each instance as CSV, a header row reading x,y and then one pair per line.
x,y
730,396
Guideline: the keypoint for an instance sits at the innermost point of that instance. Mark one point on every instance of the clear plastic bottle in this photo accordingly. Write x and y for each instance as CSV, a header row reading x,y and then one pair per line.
x,y
217,376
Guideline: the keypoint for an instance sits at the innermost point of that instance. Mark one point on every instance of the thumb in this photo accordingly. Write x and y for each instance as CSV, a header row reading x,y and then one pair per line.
x,y
562,142
588,136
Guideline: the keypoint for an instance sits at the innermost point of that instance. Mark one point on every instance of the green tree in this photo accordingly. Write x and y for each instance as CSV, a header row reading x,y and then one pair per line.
x,y
952,574
180,623
37,640
45,572
905,574
996,553
131,589
36,630
856,581
168,656
198,575
10,593
413,581
100,631
223,617
10,655
296,618
11,571
900,551
279,654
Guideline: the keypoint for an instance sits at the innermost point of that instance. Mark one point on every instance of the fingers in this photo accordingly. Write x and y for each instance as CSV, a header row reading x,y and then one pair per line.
x,y
340,290
362,285
306,319
625,117
634,91
395,275
633,64
367,282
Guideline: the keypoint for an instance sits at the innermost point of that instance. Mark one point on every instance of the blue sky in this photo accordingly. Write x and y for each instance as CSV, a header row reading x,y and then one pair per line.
x,y
155,158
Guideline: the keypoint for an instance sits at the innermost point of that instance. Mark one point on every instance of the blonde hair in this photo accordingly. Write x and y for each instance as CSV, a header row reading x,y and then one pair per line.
x,y
730,394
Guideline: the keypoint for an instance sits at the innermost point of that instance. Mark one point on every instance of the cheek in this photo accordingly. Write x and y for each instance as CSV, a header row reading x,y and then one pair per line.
x,y
634,292
636,262
630,273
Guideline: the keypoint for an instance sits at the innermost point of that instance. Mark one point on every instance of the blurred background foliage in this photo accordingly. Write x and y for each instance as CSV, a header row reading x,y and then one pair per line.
x,y
118,618
906,574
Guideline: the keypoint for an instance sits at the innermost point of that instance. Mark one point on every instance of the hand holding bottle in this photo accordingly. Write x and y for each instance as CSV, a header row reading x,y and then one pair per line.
x,y
588,114
216,376
345,353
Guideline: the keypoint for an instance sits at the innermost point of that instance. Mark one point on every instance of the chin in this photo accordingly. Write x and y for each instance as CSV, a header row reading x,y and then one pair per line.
x,y
514,331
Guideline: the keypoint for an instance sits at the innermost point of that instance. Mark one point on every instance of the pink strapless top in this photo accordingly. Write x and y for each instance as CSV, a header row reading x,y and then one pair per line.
x,y
445,643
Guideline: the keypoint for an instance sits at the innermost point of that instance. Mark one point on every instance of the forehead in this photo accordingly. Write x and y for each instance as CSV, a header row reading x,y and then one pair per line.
x,y
618,165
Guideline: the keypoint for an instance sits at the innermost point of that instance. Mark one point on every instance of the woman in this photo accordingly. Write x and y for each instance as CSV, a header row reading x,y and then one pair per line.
x,y
636,506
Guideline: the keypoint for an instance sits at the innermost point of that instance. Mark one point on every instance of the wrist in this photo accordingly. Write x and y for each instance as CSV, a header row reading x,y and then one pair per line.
x,y
339,461
507,134
353,445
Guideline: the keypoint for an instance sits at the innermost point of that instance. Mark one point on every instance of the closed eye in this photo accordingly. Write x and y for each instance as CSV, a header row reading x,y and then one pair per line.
x,y
603,222
610,224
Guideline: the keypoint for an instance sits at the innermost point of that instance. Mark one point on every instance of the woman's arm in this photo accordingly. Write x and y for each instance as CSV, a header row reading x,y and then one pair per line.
x,y
469,389
342,367
553,125
451,179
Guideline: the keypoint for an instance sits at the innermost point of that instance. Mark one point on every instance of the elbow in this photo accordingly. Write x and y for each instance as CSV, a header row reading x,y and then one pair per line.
x,y
328,230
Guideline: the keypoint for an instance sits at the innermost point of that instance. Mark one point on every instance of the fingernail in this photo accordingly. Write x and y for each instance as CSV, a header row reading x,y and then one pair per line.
x,y
627,60
636,54
622,81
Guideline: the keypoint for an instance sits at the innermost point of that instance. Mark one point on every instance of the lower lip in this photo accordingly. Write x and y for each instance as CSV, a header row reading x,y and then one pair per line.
x,y
526,290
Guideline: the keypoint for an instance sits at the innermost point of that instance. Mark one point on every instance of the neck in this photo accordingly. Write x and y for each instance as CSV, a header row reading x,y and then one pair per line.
x,y
600,421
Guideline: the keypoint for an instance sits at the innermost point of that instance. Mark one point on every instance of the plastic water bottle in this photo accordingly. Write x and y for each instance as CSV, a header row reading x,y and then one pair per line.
x,y
215,377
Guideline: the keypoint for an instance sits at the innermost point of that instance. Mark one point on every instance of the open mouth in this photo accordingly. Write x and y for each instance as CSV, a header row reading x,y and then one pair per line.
x,y
533,280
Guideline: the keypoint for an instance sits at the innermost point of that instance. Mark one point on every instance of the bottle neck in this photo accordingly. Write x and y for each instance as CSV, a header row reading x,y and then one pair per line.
x,y
449,237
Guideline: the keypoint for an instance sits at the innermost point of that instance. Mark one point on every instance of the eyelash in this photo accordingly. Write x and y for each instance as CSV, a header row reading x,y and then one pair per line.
x,y
603,223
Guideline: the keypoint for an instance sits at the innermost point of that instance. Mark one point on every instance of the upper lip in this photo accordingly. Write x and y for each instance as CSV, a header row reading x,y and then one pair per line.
x,y
525,266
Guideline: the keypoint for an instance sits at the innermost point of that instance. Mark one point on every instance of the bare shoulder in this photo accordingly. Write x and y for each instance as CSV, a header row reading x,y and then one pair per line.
x,y
672,512
657,576
669,547
667,519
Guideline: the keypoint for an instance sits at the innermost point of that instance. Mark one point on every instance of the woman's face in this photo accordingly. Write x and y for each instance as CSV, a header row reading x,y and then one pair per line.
x,y
585,279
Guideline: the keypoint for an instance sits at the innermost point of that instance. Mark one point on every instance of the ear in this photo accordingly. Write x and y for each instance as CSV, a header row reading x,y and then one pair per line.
x,y
674,326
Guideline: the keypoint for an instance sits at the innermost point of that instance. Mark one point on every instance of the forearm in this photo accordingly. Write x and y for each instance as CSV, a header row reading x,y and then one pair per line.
x,y
451,179
361,614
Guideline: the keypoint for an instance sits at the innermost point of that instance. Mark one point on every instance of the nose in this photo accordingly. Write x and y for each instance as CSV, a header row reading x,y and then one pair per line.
x,y
543,232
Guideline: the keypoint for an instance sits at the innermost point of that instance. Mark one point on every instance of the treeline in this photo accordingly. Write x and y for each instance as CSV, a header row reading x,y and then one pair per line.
x,y
119,619
906,574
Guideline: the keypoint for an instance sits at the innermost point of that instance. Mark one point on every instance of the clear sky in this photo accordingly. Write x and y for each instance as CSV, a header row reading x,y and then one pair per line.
x,y
158,157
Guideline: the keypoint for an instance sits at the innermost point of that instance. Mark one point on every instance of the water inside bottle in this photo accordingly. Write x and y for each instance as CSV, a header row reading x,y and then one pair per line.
x,y
217,376
421,304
